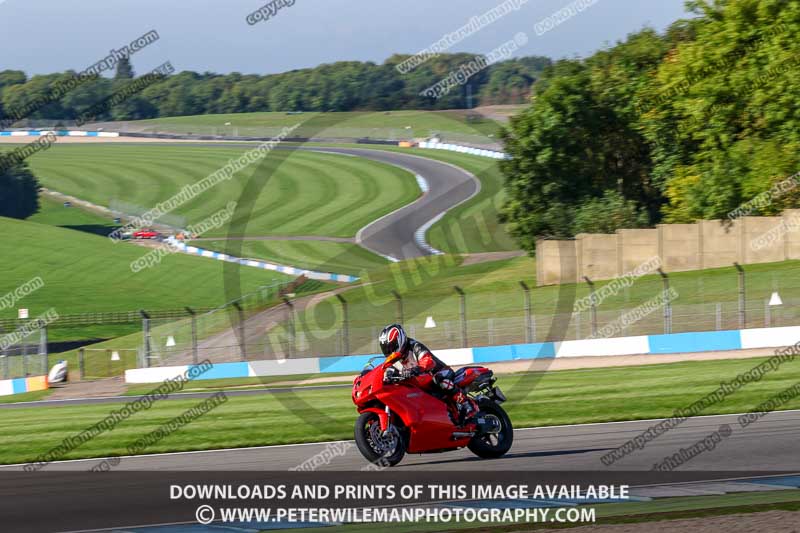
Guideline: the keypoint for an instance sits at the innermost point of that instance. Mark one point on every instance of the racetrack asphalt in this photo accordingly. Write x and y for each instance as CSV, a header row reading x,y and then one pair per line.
x,y
770,444
393,235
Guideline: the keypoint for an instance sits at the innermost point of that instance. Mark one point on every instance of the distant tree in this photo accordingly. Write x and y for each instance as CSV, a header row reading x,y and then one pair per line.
x,y
607,214
19,192
577,142
722,113
340,86
124,70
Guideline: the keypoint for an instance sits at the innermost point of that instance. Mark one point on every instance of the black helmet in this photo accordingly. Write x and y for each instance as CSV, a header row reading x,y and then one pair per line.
x,y
393,339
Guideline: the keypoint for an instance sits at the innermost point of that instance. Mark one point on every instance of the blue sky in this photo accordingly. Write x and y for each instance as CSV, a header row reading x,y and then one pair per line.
x,y
212,35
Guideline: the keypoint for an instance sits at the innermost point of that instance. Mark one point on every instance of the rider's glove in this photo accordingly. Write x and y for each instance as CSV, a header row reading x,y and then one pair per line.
x,y
391,374
410,373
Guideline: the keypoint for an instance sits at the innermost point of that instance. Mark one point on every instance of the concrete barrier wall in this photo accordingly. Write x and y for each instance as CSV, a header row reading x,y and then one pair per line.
x,y
634,247
20,385
791,241
557,260
680,247
597,255
721,243
639,345
762,240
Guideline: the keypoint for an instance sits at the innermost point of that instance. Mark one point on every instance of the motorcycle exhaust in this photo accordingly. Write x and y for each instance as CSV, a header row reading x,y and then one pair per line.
x,y
463,434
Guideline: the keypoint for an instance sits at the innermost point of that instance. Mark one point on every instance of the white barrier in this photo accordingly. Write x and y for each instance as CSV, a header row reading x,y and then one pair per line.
x,y
430,145
58,133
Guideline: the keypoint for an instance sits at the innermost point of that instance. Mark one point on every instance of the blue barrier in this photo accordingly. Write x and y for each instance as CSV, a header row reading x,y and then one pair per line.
x,y
19,385
350,363
226,370
705,341
513,352
656,344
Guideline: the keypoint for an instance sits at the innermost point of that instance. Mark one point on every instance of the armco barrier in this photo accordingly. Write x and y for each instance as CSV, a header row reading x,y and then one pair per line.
x,y
292,271
58,133
20,385
642,345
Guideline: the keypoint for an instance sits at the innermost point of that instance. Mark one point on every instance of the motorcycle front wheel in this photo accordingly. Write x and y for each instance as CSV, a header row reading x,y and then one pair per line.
x,y
378,449
493,445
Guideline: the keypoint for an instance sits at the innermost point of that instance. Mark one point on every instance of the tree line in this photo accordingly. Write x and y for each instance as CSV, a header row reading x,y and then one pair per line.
x,y
341,86
676,126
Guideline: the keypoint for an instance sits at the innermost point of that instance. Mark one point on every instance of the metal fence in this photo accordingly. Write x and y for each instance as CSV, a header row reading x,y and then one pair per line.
x,y
273,323
99,318
349,323
28,357
23,355
96,363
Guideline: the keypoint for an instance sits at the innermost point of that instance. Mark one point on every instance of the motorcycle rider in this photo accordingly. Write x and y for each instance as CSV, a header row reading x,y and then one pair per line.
x,y
418,361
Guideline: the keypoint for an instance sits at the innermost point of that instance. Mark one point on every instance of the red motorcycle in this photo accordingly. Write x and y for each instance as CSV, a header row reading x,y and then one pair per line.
x,y
398,416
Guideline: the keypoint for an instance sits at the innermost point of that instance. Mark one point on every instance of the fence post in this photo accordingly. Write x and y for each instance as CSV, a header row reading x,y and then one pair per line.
x,y
240,327
593,298
719,316
43,346
290,323
81,363
526,291
463,298
4,355
742,316
667,303
345,325
147,339
24,358
399,300
194,333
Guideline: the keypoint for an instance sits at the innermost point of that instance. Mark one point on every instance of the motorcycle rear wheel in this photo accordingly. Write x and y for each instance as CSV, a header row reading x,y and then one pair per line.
x,y
378,450
494,445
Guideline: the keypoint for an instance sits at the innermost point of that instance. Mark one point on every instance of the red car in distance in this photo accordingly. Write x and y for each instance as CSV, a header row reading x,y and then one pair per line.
x,y
146,233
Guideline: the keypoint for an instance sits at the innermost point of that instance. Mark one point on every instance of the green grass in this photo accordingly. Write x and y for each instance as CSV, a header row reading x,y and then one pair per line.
x,y
53,213
210,385
303,194
535,399
26,396
87,273
452,125
325,256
